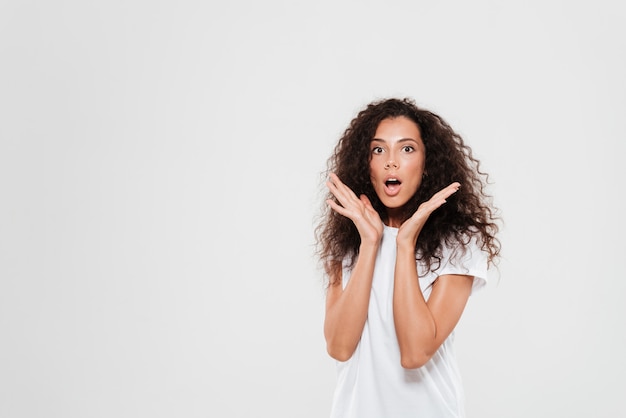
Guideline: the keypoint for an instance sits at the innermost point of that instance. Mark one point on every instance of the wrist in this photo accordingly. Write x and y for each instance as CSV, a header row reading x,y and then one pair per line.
x,y
370,243
408,244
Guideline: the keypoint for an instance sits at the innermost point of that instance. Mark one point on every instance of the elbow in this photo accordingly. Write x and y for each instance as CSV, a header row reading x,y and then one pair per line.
x,y
339,353
414,361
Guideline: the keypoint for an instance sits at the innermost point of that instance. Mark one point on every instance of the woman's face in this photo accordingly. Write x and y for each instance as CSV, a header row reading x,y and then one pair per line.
x,y
397,158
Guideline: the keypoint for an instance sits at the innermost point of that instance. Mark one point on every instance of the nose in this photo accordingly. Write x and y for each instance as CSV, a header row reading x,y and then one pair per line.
x,y
390,164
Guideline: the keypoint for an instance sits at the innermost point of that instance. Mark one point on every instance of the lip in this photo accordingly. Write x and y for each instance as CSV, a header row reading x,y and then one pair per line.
x,y
392,176
393,190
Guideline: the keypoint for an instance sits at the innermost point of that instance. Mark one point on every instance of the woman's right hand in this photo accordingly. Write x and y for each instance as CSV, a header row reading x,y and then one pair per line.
x,y
358,209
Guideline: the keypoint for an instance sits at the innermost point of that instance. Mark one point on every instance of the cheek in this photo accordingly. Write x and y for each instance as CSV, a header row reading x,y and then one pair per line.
x,y
418,171
374,169
418,165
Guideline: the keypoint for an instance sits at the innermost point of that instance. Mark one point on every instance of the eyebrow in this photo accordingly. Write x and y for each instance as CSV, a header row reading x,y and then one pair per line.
x,y
399,140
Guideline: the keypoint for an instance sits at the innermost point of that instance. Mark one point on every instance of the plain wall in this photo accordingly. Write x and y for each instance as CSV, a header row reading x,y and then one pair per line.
x,y
160,176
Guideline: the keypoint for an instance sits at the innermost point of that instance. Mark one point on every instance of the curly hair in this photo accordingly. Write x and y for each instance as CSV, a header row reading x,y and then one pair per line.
x,y
467,213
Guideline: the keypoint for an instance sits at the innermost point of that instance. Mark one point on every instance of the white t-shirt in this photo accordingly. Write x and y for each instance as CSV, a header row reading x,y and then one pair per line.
x,y
372,383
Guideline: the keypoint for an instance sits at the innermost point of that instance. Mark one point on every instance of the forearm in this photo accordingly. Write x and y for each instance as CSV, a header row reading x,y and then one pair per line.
x,y
415,324
346,310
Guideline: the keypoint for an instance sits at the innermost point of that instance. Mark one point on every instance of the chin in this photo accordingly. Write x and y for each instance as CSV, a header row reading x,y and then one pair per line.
x,y
394,206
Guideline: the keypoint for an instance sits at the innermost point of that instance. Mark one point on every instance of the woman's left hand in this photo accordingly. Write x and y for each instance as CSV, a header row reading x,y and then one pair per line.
x,y
410,229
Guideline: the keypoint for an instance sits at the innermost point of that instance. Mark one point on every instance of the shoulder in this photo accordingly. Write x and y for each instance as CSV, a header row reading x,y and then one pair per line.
x,y
465,257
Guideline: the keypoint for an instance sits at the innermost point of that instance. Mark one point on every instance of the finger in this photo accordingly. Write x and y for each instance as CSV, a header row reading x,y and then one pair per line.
x,y
446,192
342,192
345,199
341,185
368,205
334,179
366,201
451,188
335,191
337,208
439,198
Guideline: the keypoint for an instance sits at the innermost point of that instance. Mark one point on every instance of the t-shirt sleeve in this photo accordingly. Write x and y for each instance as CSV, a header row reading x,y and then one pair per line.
x,y
346,271
468,260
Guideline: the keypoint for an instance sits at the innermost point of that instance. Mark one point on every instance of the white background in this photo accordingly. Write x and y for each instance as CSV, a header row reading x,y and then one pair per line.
x,y
160,174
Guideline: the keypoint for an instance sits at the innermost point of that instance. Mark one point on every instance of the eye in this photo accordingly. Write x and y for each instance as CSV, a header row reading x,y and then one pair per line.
x,y
377,150
408,148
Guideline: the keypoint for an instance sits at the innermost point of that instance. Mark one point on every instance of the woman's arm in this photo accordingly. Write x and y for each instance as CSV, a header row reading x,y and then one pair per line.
x,y
346,309
421,327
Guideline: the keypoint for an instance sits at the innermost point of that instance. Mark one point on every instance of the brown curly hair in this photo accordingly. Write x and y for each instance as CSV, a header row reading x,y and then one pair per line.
x,y
467,213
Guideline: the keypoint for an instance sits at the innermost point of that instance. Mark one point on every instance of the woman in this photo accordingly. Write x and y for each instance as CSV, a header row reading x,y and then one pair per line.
x,y
407,235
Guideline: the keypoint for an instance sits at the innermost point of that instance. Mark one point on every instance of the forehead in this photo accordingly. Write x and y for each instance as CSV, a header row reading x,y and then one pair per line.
x,y
397,128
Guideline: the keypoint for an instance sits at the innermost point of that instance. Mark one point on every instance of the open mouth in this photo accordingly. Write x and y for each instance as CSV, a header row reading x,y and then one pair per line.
x,y
392,186
392,182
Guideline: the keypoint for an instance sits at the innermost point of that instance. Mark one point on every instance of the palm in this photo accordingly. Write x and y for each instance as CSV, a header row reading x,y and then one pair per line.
x,y
358,209
411,228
